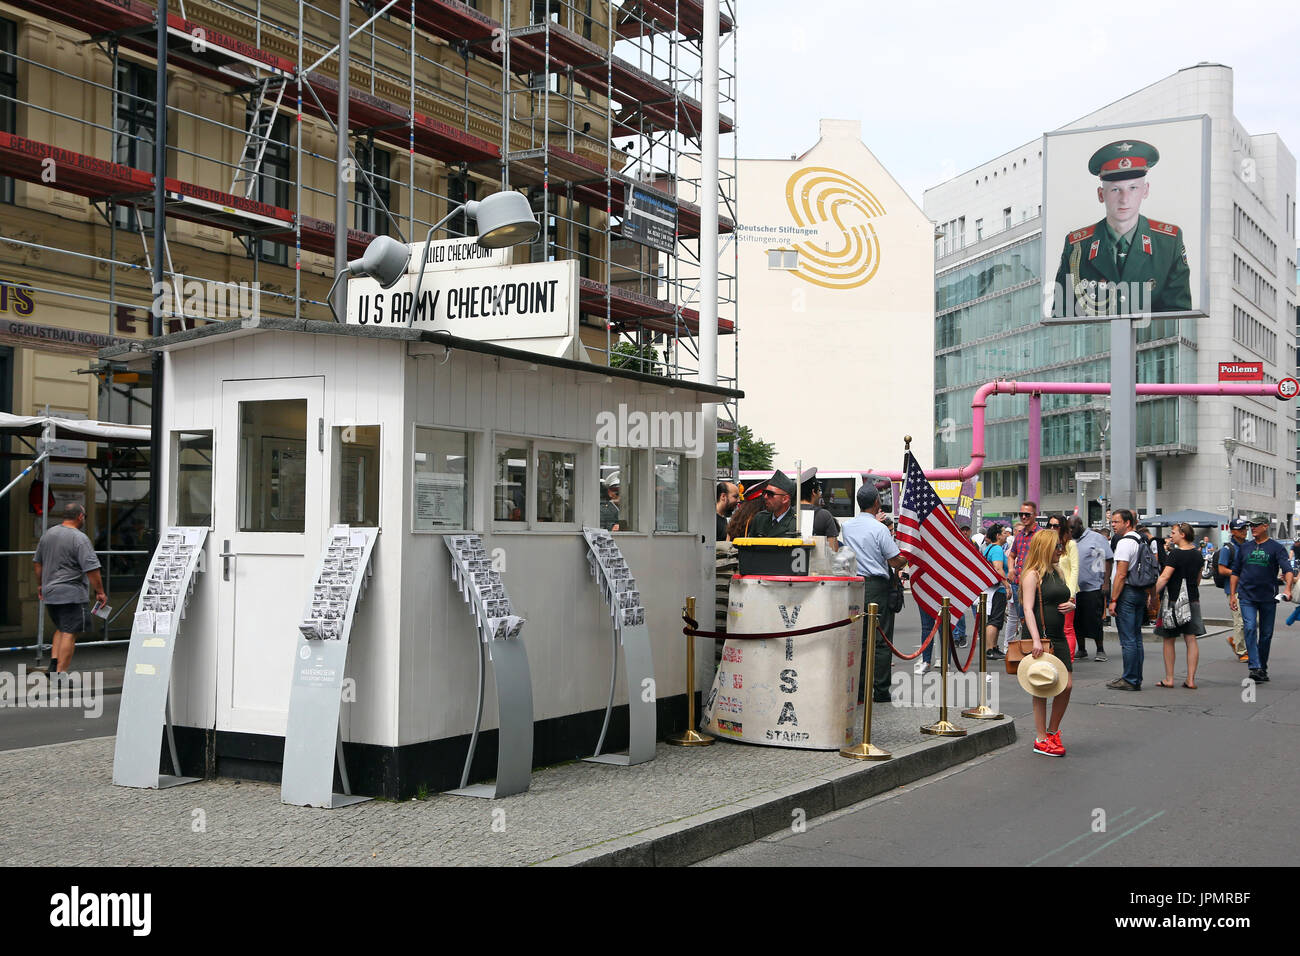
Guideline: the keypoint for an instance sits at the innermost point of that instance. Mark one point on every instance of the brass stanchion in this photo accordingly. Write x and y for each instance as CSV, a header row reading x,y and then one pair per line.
x,y
941,727
692,737
983,711
867,750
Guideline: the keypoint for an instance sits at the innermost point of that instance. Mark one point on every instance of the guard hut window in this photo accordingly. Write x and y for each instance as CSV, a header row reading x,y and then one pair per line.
x,y
619,472
191,504
670,492
356,475
510,488
441,480
273,466
557,486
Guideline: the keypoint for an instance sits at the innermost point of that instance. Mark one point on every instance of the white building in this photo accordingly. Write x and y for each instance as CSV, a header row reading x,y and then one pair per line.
x,y
835,330
987,325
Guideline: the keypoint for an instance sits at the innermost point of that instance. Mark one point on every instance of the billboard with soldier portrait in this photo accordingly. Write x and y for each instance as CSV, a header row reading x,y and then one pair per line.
x,y
1125,214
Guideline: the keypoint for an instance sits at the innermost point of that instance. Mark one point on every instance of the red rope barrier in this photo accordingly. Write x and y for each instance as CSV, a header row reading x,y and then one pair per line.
x,y
692,625
956,658
919,651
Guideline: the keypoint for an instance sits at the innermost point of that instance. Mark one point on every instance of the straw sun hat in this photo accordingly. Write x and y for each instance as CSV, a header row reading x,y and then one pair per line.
x,y
1042,676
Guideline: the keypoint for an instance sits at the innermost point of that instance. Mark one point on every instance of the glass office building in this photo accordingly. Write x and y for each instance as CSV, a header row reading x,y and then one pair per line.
x,y
988,265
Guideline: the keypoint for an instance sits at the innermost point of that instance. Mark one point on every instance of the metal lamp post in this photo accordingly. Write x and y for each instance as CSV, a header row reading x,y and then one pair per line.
x,y
1230,445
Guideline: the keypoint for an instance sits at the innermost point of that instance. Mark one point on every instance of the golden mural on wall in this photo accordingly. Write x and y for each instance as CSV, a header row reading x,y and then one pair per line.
x,y
822,197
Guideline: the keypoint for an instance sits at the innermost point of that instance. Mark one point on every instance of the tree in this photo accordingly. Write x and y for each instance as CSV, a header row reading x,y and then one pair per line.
x,y
755,454
637,358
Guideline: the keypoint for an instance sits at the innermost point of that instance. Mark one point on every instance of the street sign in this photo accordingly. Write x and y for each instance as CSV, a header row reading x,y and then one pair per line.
x,y
1288,388
650,218
1088,476
1241,371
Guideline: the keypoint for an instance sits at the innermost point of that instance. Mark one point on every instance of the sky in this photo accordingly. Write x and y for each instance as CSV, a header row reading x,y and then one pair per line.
x,y
941,87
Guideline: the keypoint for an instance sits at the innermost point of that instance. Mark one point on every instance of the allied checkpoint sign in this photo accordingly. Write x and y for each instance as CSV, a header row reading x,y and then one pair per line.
x,y
474,297
1125,221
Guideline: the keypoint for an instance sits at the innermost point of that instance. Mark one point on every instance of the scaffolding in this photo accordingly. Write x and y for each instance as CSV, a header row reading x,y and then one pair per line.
x,y
590,107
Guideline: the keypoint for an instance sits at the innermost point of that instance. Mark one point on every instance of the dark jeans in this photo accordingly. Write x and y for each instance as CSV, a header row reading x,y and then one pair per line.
x,y
957,633
877,592
1258,618
1130,612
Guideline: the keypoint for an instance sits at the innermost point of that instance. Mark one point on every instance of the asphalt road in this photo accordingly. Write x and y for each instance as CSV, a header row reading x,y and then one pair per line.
x,y
1157,778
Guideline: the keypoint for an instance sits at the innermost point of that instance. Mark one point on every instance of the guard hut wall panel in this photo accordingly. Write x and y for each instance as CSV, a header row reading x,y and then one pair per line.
x,y
411,664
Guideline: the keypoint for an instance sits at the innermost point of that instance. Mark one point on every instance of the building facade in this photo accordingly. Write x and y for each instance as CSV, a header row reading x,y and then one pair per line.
x,y
988,326
835,260
584,105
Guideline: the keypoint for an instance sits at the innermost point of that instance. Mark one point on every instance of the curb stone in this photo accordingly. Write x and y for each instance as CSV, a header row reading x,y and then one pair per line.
x,y
703,835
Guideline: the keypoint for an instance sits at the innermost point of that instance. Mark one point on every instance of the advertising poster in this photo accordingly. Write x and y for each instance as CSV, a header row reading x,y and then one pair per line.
x,y
1125,214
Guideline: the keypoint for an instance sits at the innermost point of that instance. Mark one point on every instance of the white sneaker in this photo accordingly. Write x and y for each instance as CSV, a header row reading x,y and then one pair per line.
x,y
921,668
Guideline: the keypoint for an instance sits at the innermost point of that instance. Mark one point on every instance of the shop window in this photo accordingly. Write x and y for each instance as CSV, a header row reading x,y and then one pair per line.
x,y
441,481
356,478
272,184
273,466
133,131
618,489
670,492
373,188
8,93
192,489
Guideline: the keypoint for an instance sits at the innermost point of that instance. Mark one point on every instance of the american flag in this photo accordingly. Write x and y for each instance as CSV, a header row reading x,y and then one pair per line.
x,y
945,563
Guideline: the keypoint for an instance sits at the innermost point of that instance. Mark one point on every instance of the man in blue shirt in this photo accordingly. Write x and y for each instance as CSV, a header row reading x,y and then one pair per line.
x,y
1253,586
1238,527
876,552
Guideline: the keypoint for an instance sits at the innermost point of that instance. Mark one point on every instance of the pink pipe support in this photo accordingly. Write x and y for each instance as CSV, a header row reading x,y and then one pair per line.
x,y
1006,387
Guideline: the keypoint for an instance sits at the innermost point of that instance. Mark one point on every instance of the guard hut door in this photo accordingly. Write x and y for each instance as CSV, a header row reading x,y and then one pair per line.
x,y
268,525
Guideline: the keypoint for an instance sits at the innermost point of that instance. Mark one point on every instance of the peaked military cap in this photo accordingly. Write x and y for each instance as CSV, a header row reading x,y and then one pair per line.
x,y
1126,159
781,482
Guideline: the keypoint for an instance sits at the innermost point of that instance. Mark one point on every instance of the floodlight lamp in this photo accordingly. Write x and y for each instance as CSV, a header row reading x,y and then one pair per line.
x,y
504,219
384,260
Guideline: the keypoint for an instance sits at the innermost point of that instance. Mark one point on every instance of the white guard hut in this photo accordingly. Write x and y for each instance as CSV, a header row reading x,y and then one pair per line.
x,y
277,429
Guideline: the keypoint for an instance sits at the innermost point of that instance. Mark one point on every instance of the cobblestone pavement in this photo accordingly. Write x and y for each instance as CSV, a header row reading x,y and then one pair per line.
x,y
228,822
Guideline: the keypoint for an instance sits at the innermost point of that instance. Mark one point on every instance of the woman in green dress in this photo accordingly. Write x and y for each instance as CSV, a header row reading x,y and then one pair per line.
x,y
1045,598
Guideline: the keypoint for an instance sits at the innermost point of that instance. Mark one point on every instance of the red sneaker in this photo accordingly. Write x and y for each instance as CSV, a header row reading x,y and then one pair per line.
x,y
1056,739
1048,748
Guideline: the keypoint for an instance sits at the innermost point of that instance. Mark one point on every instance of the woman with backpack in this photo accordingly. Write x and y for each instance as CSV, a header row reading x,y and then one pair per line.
x,y
1181,610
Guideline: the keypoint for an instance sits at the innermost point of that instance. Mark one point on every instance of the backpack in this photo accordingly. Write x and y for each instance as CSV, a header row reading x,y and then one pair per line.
x,y
1221,580
1144,571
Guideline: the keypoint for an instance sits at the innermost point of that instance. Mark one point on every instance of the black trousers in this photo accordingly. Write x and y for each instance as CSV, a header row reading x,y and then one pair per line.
x,y
877,592
1089,609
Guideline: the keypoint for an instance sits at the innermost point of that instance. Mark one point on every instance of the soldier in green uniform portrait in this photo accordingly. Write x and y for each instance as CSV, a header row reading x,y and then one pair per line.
x,y
779,518
1126,264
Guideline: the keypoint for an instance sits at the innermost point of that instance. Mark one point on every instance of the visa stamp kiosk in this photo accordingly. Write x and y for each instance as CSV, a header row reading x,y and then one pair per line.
x,y
279,431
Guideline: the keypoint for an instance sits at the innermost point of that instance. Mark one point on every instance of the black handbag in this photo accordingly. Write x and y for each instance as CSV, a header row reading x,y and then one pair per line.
x,y
895,592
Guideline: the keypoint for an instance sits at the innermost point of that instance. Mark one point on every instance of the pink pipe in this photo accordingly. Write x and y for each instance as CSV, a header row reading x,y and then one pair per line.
x,y
1006,387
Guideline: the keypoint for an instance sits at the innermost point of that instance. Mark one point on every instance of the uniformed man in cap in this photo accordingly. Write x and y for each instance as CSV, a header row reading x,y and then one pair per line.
x,y
778,519
1126,264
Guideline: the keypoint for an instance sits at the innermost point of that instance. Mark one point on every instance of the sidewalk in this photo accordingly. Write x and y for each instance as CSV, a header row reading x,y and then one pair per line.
x,y
684,806
87,661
